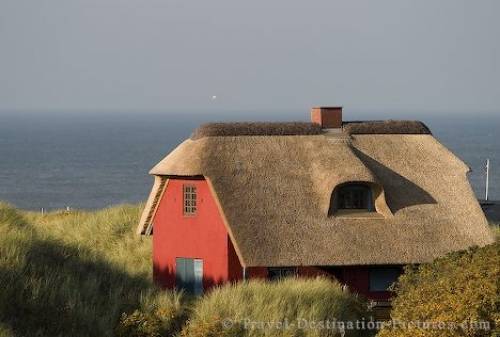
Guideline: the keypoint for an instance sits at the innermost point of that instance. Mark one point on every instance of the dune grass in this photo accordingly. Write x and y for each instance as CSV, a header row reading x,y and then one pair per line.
x,y
74,274
291,307
495,228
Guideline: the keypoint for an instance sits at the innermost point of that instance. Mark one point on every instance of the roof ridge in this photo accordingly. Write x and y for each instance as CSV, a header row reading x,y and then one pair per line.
x,y
294,128
389,126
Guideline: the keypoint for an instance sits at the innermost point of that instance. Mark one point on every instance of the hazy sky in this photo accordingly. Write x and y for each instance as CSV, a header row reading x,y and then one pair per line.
x,y
152,55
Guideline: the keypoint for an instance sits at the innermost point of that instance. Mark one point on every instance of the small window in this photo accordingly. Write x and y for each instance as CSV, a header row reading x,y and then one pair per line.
x,y
355,197
189,200
382,278
280,273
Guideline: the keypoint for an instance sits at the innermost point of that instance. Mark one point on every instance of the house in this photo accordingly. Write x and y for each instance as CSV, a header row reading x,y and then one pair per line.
x,y
352,200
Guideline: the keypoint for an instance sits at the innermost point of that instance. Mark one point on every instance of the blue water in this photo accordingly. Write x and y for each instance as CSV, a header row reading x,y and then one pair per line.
x,y
97,160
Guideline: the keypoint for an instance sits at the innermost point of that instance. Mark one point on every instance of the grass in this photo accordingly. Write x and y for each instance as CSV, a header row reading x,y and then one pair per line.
x,y
495,228
258,308
73,273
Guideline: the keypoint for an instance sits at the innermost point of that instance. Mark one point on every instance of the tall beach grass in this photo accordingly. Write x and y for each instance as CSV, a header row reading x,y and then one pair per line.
x,y
291,307
73,273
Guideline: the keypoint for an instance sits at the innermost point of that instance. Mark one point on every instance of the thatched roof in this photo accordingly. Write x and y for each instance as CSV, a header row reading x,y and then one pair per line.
x,y
275,193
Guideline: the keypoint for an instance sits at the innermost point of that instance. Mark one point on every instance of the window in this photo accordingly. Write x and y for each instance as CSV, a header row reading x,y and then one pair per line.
x,y
355,197
189,199
280,273
189,275
382,278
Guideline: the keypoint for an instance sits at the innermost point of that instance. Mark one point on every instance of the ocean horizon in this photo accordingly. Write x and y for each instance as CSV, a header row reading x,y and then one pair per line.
x,y
93,161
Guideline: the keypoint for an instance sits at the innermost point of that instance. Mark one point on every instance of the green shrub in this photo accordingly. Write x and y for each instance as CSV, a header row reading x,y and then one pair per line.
x,y
139,324
460,288
241,309
159,315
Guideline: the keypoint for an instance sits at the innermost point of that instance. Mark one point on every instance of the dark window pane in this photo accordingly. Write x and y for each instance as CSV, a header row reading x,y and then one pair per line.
x,y
382,278
355,197
282,272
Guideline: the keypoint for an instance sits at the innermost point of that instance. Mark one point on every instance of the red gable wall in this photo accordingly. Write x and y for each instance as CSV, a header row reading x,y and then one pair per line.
x,y
202,236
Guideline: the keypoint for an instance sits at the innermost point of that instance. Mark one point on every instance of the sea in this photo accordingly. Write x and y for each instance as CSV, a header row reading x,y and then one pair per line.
x,y
95,160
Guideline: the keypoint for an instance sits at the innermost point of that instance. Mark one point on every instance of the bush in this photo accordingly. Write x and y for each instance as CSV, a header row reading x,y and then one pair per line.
x,y
460,288
139,324
227,311
162,315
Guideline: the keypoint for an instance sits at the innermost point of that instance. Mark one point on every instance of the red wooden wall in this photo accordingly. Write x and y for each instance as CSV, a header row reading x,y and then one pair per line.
x,y
201,236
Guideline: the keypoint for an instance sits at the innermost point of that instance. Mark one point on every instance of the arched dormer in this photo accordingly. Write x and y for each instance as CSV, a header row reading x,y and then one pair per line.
x,y
358,199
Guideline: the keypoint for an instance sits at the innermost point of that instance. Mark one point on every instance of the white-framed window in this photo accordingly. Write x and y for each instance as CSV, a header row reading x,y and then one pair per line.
x,y
189,200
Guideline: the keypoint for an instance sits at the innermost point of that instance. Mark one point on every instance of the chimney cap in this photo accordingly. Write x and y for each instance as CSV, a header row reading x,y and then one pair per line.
x,y
327,107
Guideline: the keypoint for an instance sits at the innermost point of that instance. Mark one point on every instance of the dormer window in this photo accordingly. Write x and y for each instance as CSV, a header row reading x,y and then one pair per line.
x,y
355,197
352,198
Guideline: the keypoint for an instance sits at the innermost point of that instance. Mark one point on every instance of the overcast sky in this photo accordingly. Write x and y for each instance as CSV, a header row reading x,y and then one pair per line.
x,y
146,55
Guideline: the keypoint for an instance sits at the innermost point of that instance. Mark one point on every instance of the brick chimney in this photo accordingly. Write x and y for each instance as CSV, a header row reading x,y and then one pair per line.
x,y
328,117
